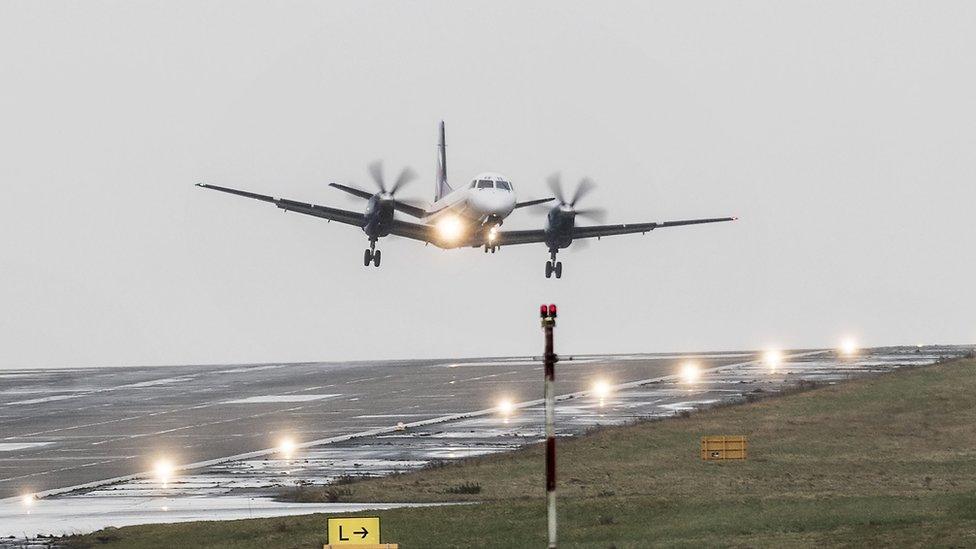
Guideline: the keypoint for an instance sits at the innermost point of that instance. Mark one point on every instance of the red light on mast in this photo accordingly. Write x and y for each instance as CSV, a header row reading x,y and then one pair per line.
x,y
552,310
543,310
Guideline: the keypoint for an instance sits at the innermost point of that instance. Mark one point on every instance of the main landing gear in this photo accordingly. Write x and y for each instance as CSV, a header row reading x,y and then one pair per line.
x,y
553,266
372,255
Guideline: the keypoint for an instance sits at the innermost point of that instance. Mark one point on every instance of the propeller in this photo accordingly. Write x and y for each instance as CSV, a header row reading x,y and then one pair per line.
x,y
585,186
376,172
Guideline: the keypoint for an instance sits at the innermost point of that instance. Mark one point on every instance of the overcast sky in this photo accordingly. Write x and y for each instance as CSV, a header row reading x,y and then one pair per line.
x,y
842,133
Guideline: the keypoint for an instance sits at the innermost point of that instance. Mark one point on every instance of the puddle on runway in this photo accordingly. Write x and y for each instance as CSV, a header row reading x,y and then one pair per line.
x,y
70,515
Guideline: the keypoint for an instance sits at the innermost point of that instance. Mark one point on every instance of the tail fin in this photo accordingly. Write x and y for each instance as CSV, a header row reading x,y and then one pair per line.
x,y
441,187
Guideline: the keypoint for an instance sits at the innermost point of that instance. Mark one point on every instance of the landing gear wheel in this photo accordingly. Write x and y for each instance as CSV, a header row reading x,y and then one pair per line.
x,y
376,258
367,257
559,269
548,269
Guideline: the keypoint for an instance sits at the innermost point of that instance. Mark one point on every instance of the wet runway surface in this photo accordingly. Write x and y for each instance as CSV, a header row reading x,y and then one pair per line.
x,y
63,429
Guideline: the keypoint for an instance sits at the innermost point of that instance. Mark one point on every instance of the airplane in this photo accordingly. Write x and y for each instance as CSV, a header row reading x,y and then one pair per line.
x,y
469,216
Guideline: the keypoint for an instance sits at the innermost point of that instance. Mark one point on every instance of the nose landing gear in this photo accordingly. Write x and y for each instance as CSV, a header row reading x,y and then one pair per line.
x,y
554,267
372,255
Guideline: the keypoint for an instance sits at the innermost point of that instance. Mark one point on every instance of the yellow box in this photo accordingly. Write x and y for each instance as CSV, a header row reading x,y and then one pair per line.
x,y
717,448
358,531
366,546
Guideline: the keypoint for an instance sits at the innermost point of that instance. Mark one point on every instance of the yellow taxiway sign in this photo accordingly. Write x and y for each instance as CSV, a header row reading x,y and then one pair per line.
x,y
354,531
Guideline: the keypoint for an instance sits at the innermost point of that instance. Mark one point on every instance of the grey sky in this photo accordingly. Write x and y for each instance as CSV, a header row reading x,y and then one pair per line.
x,y
841,132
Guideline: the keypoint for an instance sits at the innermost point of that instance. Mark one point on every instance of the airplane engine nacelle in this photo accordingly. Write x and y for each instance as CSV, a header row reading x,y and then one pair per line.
x,y
559,226
379,216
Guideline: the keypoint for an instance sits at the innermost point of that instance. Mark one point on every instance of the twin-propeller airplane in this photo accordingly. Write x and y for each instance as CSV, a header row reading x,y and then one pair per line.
x,y
469,216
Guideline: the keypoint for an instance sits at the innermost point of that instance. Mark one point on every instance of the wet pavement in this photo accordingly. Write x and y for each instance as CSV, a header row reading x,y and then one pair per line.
x,y
85,441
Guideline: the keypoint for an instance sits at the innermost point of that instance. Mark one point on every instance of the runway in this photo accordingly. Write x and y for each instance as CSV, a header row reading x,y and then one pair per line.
x,y
63,428
94,432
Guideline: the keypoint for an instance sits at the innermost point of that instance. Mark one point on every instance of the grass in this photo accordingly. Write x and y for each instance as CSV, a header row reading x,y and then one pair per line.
x,y
882,461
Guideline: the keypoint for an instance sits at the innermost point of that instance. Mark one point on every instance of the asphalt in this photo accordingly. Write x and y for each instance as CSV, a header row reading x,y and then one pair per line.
x,y
71,427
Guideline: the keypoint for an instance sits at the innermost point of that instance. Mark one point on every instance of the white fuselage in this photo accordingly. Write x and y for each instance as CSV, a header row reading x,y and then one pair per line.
x,y
487,200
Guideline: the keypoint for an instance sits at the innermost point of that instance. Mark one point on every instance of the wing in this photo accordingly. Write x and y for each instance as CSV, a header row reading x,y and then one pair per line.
x,y
332,214
417,231
532,202
398,205
508,238
352,190
630,228
528,237
413,231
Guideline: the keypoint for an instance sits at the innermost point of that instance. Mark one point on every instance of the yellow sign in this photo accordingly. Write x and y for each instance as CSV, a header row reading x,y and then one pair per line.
x,y
354,531
723,447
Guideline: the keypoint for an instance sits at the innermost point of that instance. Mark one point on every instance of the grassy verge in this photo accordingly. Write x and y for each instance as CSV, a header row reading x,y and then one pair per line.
x,y
887,460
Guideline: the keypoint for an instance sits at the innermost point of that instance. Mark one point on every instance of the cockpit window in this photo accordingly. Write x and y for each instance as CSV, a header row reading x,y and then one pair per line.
x,y
485,184
503,185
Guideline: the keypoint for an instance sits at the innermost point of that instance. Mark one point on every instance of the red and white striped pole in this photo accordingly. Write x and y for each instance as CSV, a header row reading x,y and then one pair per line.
x,y
548,314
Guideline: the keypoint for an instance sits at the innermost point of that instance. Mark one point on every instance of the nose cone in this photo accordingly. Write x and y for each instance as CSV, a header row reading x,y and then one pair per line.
x,y
493,202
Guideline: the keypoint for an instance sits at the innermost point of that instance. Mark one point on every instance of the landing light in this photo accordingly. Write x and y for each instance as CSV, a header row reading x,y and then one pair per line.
x,y
28,499
450,228
286,447
601,390
848,347
505,407
493,233
689,372
163,470
773,358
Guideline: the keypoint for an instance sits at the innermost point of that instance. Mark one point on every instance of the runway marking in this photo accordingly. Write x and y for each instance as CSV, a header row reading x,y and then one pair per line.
x,y
38,473
280,398
149,383
40,400
11,446
80,394
388,416
129,418
385,430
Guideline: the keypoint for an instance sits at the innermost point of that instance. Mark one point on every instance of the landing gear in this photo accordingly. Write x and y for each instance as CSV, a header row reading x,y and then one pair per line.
x,y
554,267
372,255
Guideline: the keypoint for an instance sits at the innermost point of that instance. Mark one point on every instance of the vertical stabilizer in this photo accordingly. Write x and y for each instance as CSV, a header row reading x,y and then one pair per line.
x,y
441,187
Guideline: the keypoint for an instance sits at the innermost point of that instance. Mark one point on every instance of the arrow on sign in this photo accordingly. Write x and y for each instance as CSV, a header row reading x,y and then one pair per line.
x,y
362,532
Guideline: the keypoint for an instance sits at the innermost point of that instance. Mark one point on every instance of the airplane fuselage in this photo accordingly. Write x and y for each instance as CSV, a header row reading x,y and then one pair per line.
x,y
480,206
